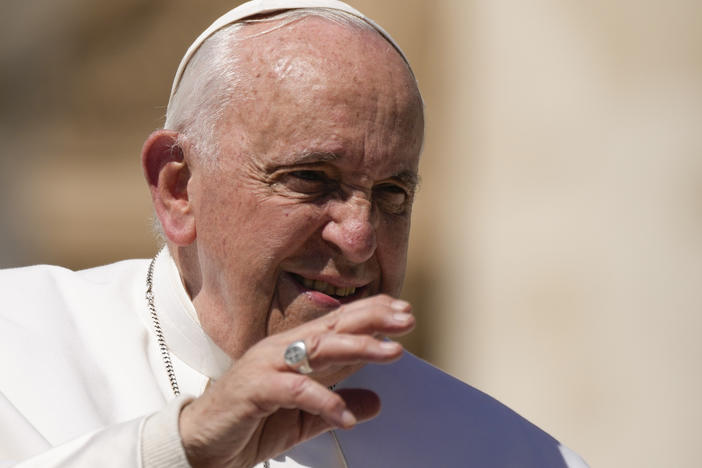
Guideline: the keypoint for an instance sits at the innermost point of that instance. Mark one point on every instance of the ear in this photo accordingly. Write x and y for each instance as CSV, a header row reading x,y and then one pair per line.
x,y
167,175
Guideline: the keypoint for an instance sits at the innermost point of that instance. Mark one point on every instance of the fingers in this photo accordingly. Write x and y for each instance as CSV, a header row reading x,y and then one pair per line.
x,y
363,404
295,391
377,315
230,414
348,336
335,349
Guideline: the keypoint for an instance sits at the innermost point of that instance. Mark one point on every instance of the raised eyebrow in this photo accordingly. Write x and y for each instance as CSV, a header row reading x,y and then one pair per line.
x,y
316,157
408,178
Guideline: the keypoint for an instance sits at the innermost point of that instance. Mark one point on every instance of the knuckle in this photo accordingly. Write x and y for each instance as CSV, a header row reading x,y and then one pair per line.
x,y
385,299
331,320
313,344
333,402
297,385
367,342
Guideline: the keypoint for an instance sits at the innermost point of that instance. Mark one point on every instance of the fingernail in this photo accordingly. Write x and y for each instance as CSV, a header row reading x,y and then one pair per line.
x,y
402,318
399,304
347,419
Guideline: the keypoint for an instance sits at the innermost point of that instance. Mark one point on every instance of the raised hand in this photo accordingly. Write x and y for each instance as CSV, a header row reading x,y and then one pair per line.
x,y
261,407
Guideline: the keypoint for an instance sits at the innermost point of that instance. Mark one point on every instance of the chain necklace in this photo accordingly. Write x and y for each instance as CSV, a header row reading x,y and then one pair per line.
x,y
166,354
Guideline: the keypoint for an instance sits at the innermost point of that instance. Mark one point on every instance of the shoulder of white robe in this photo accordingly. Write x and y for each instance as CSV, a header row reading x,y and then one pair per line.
x,y
259,7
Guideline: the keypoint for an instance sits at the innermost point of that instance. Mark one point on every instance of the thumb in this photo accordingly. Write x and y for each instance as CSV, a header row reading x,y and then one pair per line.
x,y
364,404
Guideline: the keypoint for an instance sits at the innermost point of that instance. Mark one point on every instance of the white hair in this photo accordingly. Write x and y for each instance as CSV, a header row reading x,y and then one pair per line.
x,y
213,76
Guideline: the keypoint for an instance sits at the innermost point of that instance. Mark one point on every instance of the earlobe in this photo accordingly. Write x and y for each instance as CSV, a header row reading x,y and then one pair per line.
x,y
167,175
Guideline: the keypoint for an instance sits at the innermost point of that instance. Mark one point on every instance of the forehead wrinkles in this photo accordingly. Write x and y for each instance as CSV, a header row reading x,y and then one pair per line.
x,y
314,54
315,69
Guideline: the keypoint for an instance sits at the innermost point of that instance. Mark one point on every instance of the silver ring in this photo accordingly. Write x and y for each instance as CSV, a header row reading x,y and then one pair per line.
x,y
296,357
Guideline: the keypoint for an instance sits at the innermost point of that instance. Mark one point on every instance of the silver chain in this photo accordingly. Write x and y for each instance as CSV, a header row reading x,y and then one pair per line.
x,y
165,353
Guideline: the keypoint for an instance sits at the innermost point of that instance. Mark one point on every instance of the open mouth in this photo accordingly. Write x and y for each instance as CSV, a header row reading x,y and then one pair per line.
x,y
340,293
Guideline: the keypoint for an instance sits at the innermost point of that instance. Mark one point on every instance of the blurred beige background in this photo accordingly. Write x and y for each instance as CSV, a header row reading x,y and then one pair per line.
x,y
556,257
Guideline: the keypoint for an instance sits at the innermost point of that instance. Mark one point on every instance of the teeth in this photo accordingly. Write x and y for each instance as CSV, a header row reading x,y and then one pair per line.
x,y
326,288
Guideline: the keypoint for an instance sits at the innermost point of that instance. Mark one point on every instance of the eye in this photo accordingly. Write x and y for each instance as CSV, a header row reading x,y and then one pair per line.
x,y
309,176
306,181
392,198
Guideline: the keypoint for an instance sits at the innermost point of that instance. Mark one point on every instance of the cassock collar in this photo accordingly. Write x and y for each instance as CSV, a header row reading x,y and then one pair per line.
x,y
185,337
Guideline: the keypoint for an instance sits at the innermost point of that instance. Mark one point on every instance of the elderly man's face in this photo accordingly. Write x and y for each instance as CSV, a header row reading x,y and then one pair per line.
x,y
310,205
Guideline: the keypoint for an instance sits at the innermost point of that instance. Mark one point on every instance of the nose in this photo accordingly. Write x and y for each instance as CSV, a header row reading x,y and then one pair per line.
x,y
352,228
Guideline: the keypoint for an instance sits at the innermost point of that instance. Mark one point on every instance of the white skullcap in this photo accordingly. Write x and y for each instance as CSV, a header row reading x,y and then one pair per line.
x,y
258,7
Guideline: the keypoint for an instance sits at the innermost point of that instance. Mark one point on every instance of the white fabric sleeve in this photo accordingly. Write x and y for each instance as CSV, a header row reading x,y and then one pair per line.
x,y
149,442
160,440
111,447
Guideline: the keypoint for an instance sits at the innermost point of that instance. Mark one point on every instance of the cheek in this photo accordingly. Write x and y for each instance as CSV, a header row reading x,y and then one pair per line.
x,y
273,229
392,255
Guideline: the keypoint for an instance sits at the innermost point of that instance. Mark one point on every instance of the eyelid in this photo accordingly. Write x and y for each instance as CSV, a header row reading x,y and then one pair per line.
x,y
395,184
311,167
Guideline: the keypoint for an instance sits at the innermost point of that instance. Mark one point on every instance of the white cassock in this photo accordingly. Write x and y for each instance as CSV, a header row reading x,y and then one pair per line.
x,y
83,384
